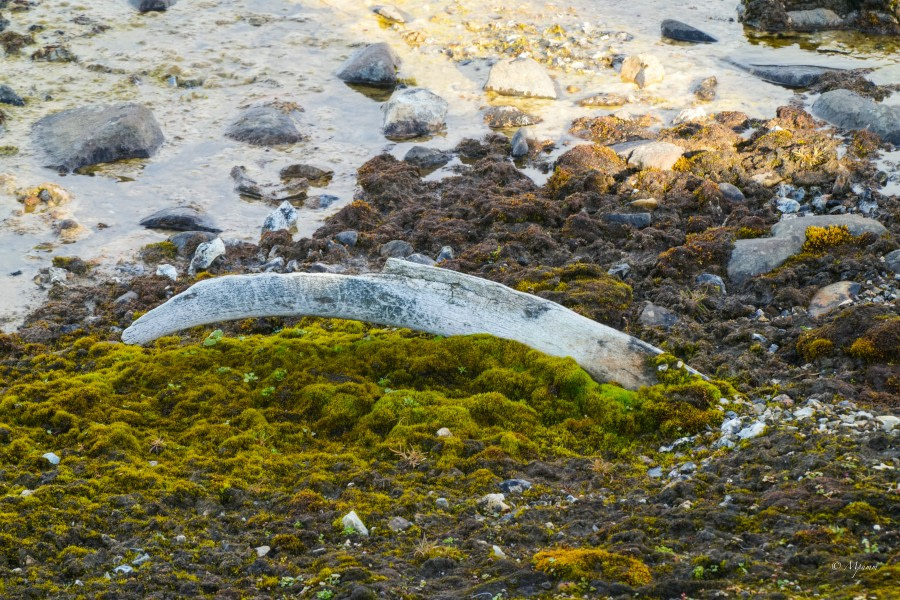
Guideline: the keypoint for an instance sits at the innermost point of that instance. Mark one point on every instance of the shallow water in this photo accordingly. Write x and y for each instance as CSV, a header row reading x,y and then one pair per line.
x,y
250,50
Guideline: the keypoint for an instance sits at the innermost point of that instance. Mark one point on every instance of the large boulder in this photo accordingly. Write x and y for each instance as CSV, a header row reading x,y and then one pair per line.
x,y
649,154
682,32
375,65
520,77
413,112
846,109
97,134
870,16
152,5
264,126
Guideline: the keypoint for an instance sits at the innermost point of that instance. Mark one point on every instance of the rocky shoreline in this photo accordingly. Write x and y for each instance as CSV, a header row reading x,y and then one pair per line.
x,y
314,458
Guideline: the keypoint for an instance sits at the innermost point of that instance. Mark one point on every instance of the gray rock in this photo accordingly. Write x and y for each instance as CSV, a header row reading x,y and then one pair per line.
x,y
731,426
206,253
375,65
446,253
791,76
650,155
427,158
395,249
351,519
494,502
51,457
520,77
126,297
761,255
390,13
186,242
845,109
307,172
8,96
507,117
123,569
515,486
815,19
787,205
347,238
167,271
603,100
139,560
710,280
657,316
152,5
398,524
655,472
519,144
262,551
442,503
284,217
180,218
751,431
731,192
620,270
97,134
642,69
706,89
420,259
413,112
636,220
831,297
264,126
892,261
682,32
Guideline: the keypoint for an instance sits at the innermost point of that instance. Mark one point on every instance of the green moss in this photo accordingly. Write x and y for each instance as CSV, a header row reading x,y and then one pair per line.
x,y
583,287
592,563
159,252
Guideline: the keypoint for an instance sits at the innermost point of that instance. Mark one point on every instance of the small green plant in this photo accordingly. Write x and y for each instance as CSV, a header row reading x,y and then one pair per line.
x,y
325,595
250,377
349,530
664,550
213,338
279,374
698,572
267,391
869,547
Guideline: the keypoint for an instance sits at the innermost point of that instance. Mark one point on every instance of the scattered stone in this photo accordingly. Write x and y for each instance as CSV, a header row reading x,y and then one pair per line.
x,y
752,431
711,280
321,201
706,89
152,5
497,552
642,69
413,112
347,238
651,155
446,253
657,316
697,113
352,520
390,13
8,96
636,220
420,259
127,297
494,502
205,254
444,432
731,192
888,422
682,32
507,117
284,217
54,53
515,486
314,175
427,158
124,569
731,426
294,189
848,110
831,297
804,413
787,205
519,144
655,472
620,270
180,218
375,65
442,503
603,100
398,524
264,126
262,551
167,271
51,457
520,77
892,261
186,242
790,76
395,249
58,275
98,134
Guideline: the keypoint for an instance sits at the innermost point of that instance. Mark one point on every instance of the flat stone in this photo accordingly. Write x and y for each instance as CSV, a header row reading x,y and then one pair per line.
x,y
682,32
152,5
657,316
790,76
642,69
395,249
90,135
831,297
180,218
284,217
848,110
815,19
413,112
420,259
520,77
427,158
264,126
351,519
519,144
508,117
307,172
8,96
375,65
652,155
636,220
603,100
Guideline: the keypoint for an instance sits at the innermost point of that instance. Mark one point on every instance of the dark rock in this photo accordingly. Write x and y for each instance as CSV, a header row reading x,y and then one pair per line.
x,y
790,76
657,316
310,173
731,192
427,158
507,117
845,109
347,238
320,201
706,89
437,567
682,32
519,143
375,65
361,592
636,220
98,134
8,96
892,261
515,486
420,259
264,126
413,112
395,249
179,218
152,5
246,186
710,280
4,23
186,242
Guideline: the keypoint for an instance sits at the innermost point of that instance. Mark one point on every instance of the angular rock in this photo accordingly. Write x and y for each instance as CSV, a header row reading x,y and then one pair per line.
x,y
427,158
167,271
90,135
375,65
8,96
206,253
179,218
519,144
520,77
413,112
395,249
682,32
652,155
636,220
848,110
832,297
186,242
264,126
706,89
51,458
152,5
347,238
642,69
284,217
352,520
731,192
507,117
657,316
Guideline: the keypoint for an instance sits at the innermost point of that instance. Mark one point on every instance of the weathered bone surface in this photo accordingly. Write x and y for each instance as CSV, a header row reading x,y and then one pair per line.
x,y
414,296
